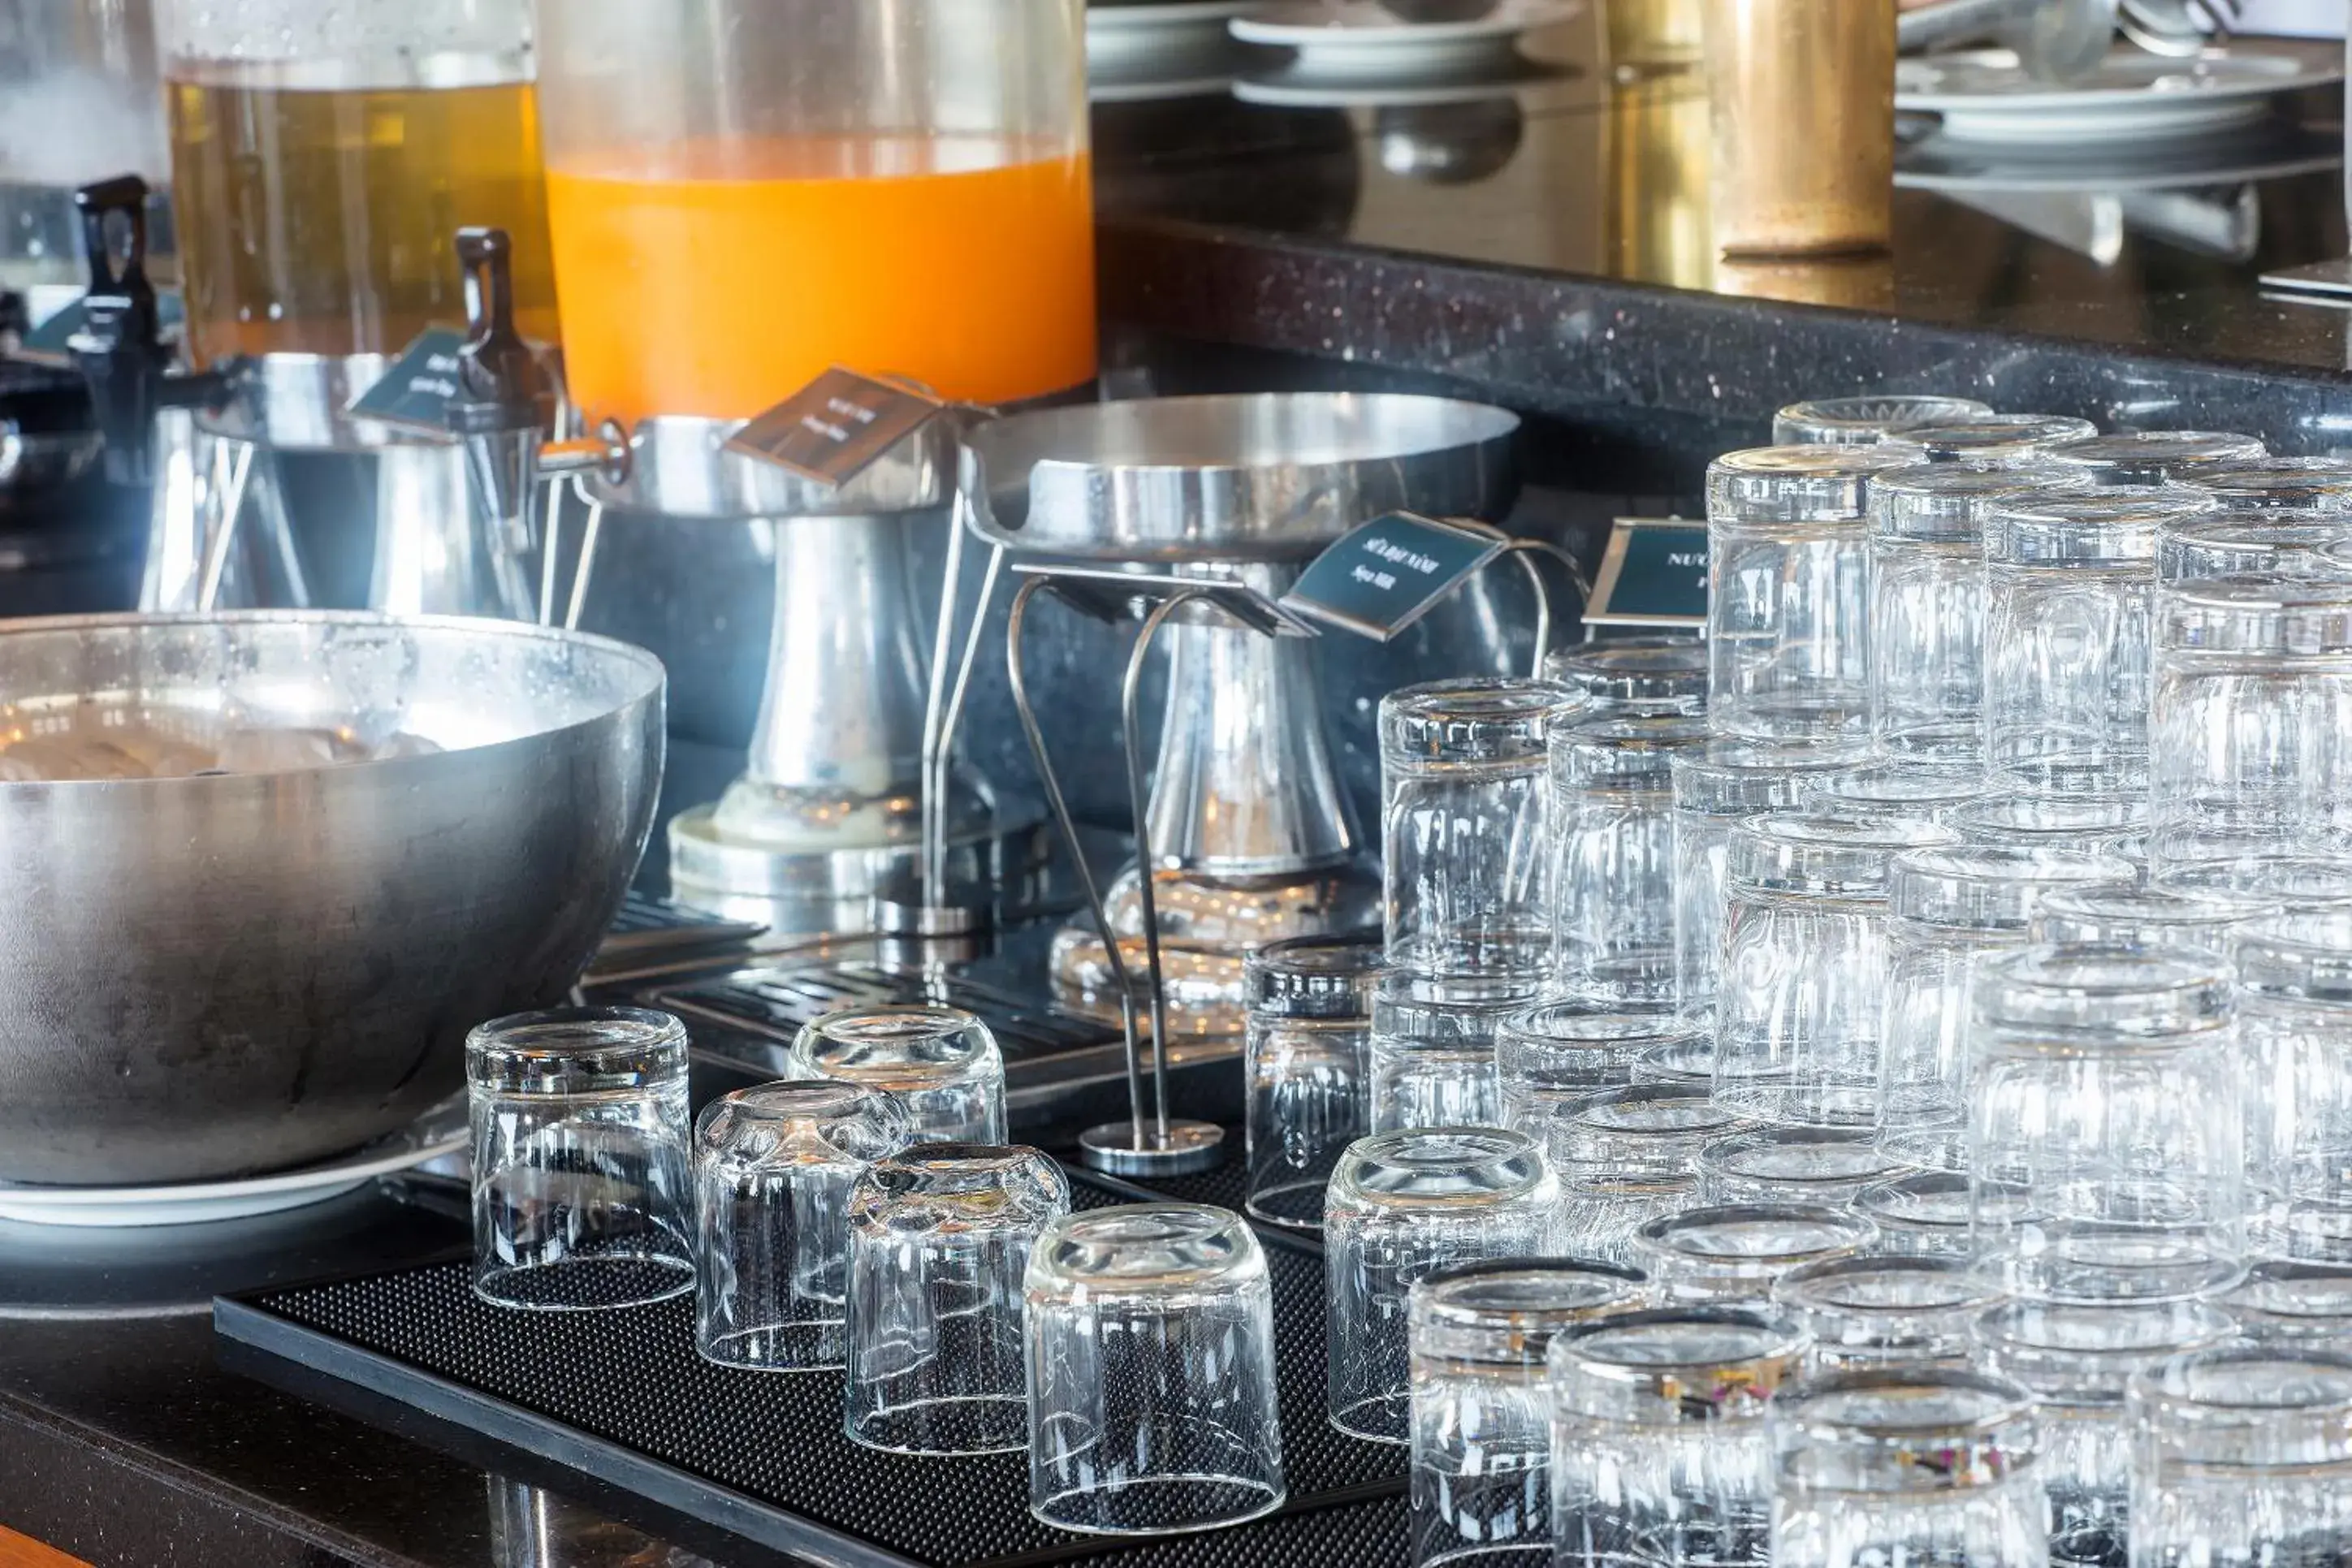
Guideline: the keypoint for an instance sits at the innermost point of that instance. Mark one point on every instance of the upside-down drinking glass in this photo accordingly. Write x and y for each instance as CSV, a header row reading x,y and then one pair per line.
x,y
1464,850
1403,1205
582,1183
1482,1403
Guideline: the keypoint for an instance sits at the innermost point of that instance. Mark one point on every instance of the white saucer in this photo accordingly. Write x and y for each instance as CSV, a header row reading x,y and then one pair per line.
x,y
1295,88
1337,38
1986,98
1131,35
439,1133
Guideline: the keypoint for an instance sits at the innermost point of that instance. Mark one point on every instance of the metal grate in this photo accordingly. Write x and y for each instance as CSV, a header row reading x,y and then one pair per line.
x,y
630,1383
779,1001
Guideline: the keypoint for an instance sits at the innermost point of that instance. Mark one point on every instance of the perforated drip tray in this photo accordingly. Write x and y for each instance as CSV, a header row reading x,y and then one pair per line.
x,y
623,1398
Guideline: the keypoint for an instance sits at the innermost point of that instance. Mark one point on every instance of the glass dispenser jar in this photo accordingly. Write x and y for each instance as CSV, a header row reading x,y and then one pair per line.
x,y
323,158
745,193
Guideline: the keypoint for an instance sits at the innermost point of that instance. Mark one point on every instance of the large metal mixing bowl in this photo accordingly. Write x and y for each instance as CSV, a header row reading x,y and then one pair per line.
x,y
201,976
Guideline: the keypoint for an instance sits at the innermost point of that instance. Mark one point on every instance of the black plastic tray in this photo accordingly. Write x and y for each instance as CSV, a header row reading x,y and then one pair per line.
x,y
621,1396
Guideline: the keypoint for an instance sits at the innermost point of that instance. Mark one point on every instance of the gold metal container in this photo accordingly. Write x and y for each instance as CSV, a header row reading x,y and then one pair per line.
x,y
1801,96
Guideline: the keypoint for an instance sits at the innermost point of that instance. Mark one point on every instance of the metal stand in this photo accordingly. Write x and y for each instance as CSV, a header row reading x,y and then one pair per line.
x,y
1155,1146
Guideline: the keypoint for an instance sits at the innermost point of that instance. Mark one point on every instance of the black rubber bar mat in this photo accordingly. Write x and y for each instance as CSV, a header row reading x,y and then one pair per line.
x,y
622,1396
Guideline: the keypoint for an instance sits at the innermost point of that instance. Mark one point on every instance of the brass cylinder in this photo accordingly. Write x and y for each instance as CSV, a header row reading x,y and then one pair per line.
x,y
1802,105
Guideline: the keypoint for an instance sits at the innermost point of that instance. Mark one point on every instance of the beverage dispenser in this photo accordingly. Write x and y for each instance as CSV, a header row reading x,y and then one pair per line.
x,y
742,194
324,157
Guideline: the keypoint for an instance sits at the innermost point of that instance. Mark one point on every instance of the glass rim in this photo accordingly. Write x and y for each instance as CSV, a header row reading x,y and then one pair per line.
x,y
1593,1112
2146,448
1654,1235
1811,1287
2008,1402
1997,435
1414,1153
2190,994
2103,526
1724,1157
1732,779
1864,418
2250,478
1948,502
1167,1224
1767,1353
1449,1297
645,1026
2158,1389
1470,719
2030,1343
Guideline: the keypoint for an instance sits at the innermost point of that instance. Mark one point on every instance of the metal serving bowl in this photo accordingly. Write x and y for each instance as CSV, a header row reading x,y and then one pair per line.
x,y
202,976
1255,476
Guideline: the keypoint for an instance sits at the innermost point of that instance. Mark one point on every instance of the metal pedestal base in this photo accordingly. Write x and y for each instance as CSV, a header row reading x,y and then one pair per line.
x,y
837,890
2328,279
1189,1148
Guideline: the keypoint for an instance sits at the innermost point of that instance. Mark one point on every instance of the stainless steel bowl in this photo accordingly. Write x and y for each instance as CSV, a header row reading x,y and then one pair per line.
x,y
1256,476
201,976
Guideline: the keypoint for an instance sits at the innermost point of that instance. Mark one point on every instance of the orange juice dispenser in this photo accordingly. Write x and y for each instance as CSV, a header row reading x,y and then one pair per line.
x,y
742,194
323,158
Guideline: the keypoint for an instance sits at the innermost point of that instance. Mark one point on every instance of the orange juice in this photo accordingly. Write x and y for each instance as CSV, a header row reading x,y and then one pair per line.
x,y
727,277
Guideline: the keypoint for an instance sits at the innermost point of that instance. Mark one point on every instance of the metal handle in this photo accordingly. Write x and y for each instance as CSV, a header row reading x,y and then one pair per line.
x,y
1016,675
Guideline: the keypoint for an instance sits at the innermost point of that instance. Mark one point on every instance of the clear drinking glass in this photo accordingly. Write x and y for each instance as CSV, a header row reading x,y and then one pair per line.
x,y
1636,674
1306,1054
1883,1311
1613,832
939,1238
2295,1036
2303,885
940,1062
773,1172
1561,1050
2110,824
1432,1049
1927,603
1151,1390
1804,964
2069,585
2252,720
1907,787
2077,1362
2299,1303
2253,544
1714,791
583,1184
1824,1165
2153,456
2242,1455
2274,484
1998,440
1688,1064
1788,591
2146,916
1733,1253
1625,1157
1403,1206
1869,420
1906,1465
1482,1402
1659,1450
1949,909
1464,850
1930,1215
2103,1081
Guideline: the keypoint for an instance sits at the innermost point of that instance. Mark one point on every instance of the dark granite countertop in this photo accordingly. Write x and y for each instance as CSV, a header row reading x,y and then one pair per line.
x,y
1545,246
1548,246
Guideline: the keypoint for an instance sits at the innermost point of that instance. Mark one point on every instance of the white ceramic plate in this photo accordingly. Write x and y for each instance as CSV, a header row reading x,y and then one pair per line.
x,y
1938,164
1295,88
1985,97
441,1132
1337,38
1130,37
